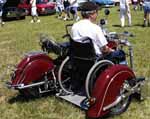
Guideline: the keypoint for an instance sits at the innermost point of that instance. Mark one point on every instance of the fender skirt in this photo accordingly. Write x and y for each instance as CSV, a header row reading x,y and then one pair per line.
x,y
107,88
31,69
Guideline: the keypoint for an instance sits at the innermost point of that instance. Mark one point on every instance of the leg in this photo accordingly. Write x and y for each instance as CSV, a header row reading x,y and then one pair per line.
x,y
34,15
1,12
145,18
122,18
148,19
129,18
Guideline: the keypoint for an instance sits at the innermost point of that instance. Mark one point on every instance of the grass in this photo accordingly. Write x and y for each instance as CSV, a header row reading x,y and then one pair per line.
x,y
19,37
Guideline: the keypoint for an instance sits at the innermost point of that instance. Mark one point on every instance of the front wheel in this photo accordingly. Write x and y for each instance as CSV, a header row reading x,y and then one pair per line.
x,y
123,105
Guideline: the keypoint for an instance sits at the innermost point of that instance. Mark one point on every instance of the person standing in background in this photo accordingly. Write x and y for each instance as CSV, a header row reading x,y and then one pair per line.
x,y
59,8
66,4
125,11
2,2
135,5
146,5
34,12
74,9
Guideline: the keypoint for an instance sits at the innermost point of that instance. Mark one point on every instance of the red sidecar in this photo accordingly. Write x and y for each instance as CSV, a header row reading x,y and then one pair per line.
x,y
98,86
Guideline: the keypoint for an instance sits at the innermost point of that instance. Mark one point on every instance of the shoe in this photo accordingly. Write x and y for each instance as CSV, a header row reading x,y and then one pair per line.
x,y
2,23
31,21
65,18
38,21
78,18
145,23
59,17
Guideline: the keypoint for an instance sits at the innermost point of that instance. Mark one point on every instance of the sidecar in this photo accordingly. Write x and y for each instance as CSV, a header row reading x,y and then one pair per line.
x,y
97,85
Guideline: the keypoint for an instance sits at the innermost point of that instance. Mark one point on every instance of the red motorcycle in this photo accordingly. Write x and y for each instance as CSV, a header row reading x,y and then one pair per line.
x,y
99,86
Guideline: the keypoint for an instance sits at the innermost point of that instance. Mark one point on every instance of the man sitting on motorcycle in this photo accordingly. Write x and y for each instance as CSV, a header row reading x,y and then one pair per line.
x,y
88,28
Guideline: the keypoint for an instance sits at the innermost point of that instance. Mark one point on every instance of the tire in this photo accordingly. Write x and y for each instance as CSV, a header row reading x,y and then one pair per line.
x,y
94,72
34,92
22,17
64,76
30,92
124,104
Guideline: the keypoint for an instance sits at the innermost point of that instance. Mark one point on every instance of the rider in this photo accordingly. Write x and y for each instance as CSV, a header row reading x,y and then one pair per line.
x,y
87,28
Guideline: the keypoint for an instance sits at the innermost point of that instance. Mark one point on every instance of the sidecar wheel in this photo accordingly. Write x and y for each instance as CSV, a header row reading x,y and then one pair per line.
x,y
124,104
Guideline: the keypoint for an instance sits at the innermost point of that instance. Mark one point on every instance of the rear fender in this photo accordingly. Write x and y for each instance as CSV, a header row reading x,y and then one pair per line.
x,y
31,68
107,88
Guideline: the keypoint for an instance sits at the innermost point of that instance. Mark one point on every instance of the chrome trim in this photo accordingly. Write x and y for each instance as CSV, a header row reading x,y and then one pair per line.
x,y
131,90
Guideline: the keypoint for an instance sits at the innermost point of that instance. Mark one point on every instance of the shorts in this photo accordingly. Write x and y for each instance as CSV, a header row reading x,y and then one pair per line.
x,y
66,4
1,9
33,11
73,10
146,7
59,7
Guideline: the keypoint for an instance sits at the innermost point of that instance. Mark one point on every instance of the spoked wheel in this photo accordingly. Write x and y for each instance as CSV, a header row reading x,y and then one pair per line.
x,y
64,76
123,105
94,72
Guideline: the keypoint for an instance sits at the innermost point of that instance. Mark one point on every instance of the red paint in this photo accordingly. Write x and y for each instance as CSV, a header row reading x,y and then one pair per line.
x,y
32,68
43,8
107,88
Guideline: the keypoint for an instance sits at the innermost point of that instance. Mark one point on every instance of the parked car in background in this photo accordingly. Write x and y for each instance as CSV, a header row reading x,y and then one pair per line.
x,y
117,2
11,10
104,2
44,7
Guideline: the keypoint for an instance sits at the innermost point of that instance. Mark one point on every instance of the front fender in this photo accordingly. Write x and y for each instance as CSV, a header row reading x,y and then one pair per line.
x,y
107,88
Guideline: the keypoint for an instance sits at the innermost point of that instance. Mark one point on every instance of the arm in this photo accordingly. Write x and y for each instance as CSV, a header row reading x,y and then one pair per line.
x,y
106,49
31,1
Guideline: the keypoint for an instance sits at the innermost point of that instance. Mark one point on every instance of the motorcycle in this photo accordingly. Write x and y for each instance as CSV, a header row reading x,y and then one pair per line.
x,y
106,87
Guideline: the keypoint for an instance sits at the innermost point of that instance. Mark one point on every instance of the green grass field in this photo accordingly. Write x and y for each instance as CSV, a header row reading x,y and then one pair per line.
x,y
20,37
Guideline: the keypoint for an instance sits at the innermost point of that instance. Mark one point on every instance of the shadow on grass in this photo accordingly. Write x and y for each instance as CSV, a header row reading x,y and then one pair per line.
x,y
23,98
139,25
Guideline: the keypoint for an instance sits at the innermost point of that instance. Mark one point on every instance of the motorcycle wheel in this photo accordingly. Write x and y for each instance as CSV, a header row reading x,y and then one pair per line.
x,y
124,104
64,76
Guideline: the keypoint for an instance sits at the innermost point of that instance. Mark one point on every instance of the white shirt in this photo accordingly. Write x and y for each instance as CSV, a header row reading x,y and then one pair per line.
x,y
73,3
33,3
124,4
85,28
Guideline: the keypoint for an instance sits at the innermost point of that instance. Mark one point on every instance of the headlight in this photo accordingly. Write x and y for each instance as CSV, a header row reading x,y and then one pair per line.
x,y
43,9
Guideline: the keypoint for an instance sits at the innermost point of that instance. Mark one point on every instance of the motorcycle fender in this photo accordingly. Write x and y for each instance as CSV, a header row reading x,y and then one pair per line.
x,y
31,68
107,88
